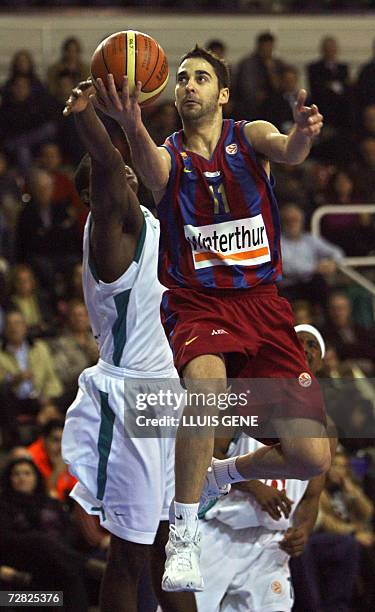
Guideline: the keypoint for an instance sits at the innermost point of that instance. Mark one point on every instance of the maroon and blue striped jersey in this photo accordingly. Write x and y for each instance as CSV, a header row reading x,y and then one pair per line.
x,y
219,218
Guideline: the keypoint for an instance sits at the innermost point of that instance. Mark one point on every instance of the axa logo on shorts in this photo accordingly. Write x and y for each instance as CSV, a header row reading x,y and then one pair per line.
x,y
217,332
240,242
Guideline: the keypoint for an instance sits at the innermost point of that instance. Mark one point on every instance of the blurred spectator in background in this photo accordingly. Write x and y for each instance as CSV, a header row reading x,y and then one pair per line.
x,y
355,234
279,106
350,340
26,120
368,121
257,78
163,121
50,159
73,289
71,62
67,136
344,526
32,303
366,81
46,454
291,184
27,376
75,349
218,47
307,259
54,244
329,84
22,64
358,432
10,206
302,311
26,366
317,184
364,169
36,534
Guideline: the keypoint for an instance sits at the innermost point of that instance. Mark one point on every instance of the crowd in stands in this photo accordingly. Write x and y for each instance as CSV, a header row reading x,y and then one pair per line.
x,y
252,6
46,339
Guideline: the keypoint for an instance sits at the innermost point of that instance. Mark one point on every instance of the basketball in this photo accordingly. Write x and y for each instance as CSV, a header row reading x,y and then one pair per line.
x,y
136,55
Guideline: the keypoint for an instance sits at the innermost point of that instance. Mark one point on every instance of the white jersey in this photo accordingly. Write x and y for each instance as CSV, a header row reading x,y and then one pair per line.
x,y
125,314
239,510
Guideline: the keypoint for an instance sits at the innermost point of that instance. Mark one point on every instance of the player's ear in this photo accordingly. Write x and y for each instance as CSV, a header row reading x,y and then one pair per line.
x,y
224,95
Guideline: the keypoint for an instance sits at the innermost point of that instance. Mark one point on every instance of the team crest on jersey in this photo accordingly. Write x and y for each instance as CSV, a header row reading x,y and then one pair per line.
x,y
304,379
231,149
276,587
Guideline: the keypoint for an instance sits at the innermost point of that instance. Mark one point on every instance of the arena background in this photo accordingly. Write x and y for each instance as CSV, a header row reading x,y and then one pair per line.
x,y
41,308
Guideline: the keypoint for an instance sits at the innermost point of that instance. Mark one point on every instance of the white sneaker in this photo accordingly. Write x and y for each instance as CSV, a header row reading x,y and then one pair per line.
x,y
211,490
182,572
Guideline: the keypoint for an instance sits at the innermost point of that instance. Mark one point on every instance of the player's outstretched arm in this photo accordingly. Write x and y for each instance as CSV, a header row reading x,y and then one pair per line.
x,y
152,163
91,130
294,147
116,214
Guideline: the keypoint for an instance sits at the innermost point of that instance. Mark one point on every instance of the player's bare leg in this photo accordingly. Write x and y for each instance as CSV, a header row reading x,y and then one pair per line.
x,y
295,456
126,561
205,375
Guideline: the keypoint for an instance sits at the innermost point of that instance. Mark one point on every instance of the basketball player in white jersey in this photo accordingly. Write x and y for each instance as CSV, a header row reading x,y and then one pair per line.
x,y
249,535
127,481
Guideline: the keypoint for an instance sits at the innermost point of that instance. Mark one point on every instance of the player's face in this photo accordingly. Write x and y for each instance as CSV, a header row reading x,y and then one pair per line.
x,y
197,90
312,351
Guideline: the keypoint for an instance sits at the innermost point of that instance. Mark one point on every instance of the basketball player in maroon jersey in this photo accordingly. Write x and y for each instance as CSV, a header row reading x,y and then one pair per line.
x,y
219,259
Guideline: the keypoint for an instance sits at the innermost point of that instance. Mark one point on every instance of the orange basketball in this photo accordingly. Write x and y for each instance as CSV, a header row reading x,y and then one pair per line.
x,y
136,55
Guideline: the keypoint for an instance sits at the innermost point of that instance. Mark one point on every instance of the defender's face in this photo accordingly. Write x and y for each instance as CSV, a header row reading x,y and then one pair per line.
x,y
197,90
312,350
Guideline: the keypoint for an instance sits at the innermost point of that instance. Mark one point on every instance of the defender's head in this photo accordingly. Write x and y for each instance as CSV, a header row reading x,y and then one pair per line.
x,y
313,345
82,178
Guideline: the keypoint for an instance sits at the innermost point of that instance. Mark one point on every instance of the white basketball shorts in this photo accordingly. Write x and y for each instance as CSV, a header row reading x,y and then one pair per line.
x,y
244,570
128,482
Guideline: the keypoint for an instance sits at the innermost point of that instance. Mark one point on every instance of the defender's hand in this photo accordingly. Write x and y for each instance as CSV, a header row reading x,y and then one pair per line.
x,y
79,98
273,501
308,118
294,541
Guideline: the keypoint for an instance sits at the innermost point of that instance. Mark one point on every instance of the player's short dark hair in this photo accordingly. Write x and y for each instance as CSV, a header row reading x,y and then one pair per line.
x,y
219,65
82,174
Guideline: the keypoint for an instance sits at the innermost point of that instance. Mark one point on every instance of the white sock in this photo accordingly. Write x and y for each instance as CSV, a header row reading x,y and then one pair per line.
x,y
226,472
186,517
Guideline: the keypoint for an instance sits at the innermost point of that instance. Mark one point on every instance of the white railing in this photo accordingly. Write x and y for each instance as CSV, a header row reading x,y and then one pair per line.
x,y
347,264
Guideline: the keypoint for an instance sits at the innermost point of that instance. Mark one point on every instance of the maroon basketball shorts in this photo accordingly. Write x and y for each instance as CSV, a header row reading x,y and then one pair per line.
x,y
254,331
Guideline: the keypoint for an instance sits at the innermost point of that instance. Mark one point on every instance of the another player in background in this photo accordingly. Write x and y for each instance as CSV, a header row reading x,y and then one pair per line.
x,y
258,526
127,482
220,258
